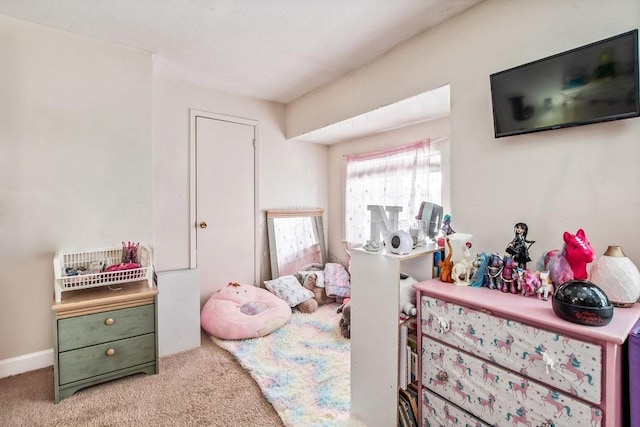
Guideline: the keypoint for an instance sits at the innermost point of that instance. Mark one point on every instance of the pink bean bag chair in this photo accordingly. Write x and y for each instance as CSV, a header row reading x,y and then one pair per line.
x,y
242,311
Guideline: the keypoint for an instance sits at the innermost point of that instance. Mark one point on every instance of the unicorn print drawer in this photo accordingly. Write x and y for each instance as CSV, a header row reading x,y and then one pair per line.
x,y
438,412
566,364
495,395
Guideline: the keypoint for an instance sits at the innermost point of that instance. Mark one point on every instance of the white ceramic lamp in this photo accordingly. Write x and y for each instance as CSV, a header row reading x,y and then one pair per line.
x,y
617,276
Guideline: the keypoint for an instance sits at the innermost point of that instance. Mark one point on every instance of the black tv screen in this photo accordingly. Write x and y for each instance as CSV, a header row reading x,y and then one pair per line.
x,y
593,83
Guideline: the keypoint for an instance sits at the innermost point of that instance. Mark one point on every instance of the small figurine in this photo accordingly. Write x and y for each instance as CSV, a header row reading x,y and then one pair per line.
x,y
446,225
509,275
462,269
519,246
546,286
479,271
446,266
494,271
530,283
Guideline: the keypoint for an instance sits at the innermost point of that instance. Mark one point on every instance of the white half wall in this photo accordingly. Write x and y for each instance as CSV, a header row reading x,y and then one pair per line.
x,y
178,311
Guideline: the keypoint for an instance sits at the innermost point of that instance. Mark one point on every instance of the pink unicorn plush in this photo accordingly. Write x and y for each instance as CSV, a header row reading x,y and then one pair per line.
x,y
571,262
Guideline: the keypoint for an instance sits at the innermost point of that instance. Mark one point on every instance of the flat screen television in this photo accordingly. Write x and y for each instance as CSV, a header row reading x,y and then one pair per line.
x,y
590,84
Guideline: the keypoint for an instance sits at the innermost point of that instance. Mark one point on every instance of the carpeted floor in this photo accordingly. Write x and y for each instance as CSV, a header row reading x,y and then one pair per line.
x,y
303,368
203,386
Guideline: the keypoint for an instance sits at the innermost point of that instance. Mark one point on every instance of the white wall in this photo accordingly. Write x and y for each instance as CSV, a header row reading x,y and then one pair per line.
x,y
554,181
75,164
290,174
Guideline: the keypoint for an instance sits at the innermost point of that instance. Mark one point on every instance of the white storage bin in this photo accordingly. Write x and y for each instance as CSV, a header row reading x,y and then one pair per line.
x,y
110,256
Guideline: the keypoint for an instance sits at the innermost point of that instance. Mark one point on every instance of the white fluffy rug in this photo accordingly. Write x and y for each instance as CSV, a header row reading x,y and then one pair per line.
x,y
302,368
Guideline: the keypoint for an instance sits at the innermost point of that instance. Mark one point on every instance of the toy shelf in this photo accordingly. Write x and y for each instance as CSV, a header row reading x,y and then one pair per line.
x,y
107,256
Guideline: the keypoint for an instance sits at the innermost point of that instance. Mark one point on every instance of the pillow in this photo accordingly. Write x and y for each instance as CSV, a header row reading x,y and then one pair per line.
x,y
243,311
289,289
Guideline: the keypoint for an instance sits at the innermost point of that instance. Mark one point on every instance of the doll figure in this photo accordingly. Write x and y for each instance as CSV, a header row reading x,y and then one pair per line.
x,y
519,246
446,225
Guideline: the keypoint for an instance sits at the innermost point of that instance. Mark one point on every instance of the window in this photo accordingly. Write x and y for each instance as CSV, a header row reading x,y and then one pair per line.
x,y
404,176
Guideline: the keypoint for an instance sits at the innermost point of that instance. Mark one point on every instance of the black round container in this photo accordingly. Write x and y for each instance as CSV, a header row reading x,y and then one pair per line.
x,y
581,301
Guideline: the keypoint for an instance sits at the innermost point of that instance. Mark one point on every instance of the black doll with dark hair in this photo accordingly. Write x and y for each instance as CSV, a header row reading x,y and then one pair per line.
x,y
519,246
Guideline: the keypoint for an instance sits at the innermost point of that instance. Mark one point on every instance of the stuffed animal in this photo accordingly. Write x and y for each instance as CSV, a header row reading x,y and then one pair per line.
x,y
319,293
345,321
407,295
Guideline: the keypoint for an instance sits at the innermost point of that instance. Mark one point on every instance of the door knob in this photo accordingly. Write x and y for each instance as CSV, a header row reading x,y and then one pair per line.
x,y
203,224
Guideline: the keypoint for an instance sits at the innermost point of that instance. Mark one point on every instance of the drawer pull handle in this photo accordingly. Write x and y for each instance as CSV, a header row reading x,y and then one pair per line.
x,y
548,362
109,321
443,325
110,352
442,376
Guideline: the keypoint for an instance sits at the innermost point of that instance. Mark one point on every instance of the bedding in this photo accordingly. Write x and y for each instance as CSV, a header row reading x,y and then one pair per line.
x,y
336,280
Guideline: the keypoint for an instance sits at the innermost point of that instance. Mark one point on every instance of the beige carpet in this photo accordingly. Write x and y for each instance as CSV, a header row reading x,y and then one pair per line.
x,y
203,386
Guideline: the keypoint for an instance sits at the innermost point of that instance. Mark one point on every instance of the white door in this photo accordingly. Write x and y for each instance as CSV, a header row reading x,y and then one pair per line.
x,y
225,203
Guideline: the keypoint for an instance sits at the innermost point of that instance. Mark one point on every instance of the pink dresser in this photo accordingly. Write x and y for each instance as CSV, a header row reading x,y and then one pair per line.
x,y
490,358
634,374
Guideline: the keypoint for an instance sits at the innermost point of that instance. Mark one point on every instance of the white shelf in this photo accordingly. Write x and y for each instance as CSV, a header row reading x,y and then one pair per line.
x,y
375,278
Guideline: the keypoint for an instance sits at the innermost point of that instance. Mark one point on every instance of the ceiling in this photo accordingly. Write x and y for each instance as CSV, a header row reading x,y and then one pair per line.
x,y
274,50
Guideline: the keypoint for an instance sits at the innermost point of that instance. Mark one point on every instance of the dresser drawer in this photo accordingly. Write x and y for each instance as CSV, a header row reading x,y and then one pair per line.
x,y
567,364
100,359
474,384
91,329
438,412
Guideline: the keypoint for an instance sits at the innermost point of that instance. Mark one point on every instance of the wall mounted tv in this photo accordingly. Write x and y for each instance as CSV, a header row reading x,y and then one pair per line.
x,y
590,84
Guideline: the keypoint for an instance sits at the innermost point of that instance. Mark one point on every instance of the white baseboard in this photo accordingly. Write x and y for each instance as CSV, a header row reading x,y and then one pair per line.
x,y
28,362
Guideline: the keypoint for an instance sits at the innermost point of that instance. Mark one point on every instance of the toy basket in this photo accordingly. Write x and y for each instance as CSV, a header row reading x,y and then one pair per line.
x,y
109,256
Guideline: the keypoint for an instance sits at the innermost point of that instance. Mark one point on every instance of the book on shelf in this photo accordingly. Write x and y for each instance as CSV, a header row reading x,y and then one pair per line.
x,y
411,322
414,368
404,359
407,406
412,341
408,357
411,395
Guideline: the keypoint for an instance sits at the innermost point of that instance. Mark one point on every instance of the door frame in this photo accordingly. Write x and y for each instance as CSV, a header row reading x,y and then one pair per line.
x,y
193,115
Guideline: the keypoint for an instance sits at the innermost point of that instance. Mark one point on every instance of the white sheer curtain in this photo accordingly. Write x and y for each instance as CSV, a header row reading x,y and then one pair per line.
x,y
403,176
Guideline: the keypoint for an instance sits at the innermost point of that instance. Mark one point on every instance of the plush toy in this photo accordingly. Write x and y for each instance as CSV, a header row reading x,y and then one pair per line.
x,y
308,306
243,311
407,295
319,293
345,321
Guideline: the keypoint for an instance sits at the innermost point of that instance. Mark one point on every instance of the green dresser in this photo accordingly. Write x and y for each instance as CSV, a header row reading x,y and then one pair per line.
x,y
101,334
